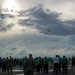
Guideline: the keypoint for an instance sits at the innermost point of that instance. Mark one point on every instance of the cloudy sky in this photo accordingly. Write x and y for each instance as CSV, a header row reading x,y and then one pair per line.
x,y
40,27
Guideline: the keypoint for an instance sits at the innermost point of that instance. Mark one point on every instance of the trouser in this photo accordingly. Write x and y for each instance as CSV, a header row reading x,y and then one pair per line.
x,y
40,67
46,68
64,68
30,72
59,67
55,68
25,72
0,66
37,68
4,68
73,64
9,68
20,64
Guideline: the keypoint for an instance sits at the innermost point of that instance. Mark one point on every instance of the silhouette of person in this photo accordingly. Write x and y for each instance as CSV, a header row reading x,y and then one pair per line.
x,y
24,66
59,64
3,65
30,65
37,64
73,62
64,64
45,63
56,62
40,64
0,63
9,64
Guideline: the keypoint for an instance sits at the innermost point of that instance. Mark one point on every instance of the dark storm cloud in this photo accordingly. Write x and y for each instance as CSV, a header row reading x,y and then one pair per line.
x,y
47,21
4,26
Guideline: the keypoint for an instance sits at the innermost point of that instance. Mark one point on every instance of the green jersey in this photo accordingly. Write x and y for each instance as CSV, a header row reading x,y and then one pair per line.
x,y
64,60
36,61
45,61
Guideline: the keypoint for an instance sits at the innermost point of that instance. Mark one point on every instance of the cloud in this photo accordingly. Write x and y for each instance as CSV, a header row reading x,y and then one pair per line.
x,y
34,21
6,15
4,26
23,44
47,21
71,40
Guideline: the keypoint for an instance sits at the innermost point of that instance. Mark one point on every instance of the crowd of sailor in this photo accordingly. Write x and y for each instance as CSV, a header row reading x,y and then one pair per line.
x,y
38,64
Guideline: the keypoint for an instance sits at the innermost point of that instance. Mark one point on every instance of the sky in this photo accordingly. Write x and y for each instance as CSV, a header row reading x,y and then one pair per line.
x,y
40,27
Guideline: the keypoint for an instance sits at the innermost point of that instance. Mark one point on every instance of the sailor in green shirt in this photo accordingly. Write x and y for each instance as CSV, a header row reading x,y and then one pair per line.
x,y
50,59
64,64
37,62
46,60
45,63
20,62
